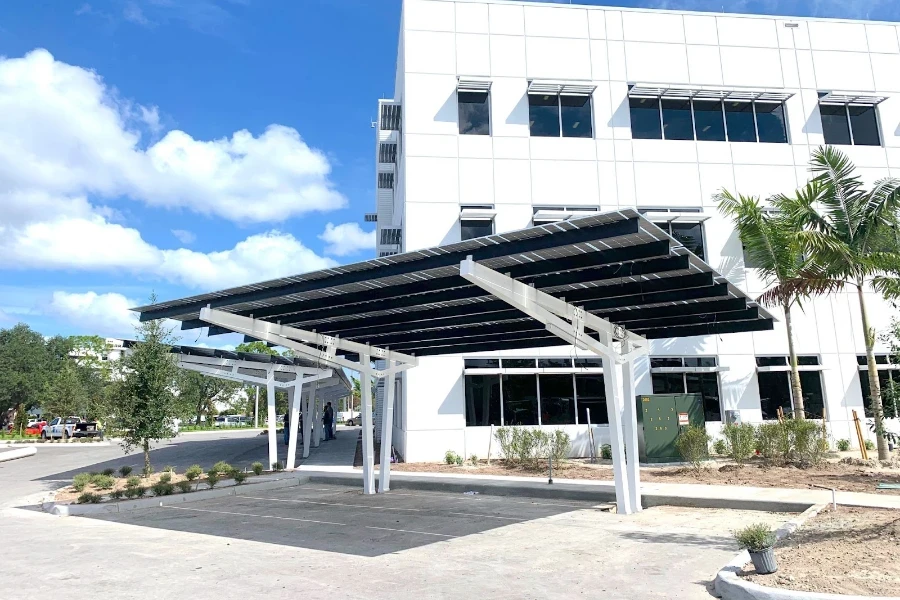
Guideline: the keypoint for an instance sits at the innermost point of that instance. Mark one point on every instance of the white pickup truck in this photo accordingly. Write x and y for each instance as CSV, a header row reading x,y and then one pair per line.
x,y
69,427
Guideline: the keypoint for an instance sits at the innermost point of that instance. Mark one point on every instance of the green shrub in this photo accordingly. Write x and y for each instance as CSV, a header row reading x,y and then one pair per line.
x,y
772,442
277,466
109,472
692,444
239,477
452,458
755,538
131,492
193,472
89,498
140,491
212,478
473,460
166,477
720,447
560,446
223,467
147,471
184,485
843,445
103,482
532,447
806,441
169,469
870,445
80,481
257,468
116,494
125,470
133,481
606,452
741,438
161,488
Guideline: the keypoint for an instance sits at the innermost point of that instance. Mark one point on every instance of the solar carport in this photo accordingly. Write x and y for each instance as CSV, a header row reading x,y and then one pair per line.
x,y
605,283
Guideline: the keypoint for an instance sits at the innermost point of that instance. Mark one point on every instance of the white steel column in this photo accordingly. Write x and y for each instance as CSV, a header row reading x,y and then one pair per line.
x,y
307,420
612,378
629,432
387,430
256,409
270,401
317,422
294,399
368,446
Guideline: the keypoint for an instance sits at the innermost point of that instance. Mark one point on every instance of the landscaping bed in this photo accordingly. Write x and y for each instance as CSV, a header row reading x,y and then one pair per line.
x,y
844,551
850,476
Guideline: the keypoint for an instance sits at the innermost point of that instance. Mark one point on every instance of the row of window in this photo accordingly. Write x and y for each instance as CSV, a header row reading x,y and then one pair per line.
x,y
562,115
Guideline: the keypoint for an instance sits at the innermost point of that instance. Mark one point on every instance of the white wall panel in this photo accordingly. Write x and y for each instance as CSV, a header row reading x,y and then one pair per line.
x,y
699,29
790,69
507,56
749,32
866,156
825,35
506,19
704,65
714,178
625,183
428,15
475,146
893,155
512,217
599,60
476,181
754,180
740,389
714,152
606,150
801,36
882,38
806,68
751,67
843,70
556,22
431,180
889,115
606,175
512,182
676,151
624,150
430,52
555,180
471,18
560,148
649,62
473,55
511,147
615,54
613,25
509,107
652,27
421,144
886,72
597,24
429,224
430,104
558,58
785,35
666,184
761,154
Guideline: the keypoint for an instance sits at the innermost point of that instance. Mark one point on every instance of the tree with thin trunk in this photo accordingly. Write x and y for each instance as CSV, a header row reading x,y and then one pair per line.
x,y
850,236
145,401
774,251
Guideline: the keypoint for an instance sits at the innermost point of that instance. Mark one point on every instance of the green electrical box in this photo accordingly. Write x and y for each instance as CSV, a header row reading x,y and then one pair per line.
x,y
660,419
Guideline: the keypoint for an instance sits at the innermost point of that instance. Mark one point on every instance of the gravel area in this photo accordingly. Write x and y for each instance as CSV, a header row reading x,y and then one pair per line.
x,y
847,551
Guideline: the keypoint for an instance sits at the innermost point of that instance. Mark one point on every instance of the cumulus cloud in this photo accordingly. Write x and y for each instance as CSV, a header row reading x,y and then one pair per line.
x,y
347,238
102,314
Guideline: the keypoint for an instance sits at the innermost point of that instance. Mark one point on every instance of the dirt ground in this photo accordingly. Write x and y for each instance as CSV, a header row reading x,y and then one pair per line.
x,y
847,551
832,474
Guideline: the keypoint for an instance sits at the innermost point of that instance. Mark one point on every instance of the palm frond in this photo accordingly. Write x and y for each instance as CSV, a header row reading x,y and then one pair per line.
x,y
888,286
834,170
804,286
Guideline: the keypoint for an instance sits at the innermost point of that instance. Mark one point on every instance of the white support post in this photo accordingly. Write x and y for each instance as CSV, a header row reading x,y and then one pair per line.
x,y
256,409
317,422
612,378
307,420
270,401
387,430
294,399
629,432
368,446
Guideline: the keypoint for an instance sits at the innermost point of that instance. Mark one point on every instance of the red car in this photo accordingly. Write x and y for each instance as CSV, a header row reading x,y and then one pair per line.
x,y
35,428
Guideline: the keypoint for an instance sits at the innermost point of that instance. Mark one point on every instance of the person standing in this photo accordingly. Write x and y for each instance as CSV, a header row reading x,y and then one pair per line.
x,y
329,421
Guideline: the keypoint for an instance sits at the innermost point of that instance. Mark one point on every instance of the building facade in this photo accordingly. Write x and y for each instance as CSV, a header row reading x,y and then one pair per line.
x,y
507,115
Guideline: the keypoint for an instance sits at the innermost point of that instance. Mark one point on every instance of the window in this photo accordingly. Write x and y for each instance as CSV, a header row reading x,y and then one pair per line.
x,y
677,121
770,122
749,261
889,382
591,393
520,402
700,361
656,363
557,400
474,113
588,363
555,115
668,383
707,385
475,228
554,363
518,363
846,124
482,363
708,121
771,361
690,235
645,122
483,400
775,391
739,121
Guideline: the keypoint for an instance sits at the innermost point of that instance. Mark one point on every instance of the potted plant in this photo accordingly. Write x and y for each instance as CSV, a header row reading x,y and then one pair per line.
x,y
758,539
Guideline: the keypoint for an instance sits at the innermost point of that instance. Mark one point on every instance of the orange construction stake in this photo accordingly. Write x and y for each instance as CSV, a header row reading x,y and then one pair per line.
x,y
859,436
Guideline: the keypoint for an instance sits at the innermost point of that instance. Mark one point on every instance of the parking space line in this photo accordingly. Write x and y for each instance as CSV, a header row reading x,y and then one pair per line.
x,y
410,531
237,514
485,498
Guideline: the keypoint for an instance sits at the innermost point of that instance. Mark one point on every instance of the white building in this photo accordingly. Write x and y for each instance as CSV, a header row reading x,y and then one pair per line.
x,y
512,114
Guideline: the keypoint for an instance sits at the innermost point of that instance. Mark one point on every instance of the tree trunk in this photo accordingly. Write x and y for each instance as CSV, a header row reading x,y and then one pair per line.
x,y
199,413
147,466
874,384
796,390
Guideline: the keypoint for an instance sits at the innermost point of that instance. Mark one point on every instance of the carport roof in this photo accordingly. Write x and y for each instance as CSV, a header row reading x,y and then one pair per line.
x,y
617,265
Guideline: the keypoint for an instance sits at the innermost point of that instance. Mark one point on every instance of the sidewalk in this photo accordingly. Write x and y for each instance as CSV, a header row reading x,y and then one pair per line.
x,y
653,494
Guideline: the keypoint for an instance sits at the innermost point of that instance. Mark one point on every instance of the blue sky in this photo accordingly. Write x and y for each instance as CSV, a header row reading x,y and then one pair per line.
x,y
180,146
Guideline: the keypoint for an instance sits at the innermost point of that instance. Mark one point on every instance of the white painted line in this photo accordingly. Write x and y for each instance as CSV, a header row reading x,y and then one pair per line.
x,y
410,531
237,514
487,498
487,516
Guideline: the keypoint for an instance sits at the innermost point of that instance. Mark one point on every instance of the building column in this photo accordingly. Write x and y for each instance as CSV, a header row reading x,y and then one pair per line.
x,y
368,446
294,399
270,401
612,378
387,430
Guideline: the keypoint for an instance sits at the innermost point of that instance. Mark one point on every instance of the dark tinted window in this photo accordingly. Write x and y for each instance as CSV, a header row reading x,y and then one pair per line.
x,y
706,384
813,399
771,361
690,235
555,363
520,403
543,114
774,391
770,122
665,362
668,383
889,382
474,113
739,118
864,125
592,363
557,400
476,228
807,360
700,361
677,123
591,394
576,116
749,261
518,363
710,123
834,124
482,400
482,363
645,123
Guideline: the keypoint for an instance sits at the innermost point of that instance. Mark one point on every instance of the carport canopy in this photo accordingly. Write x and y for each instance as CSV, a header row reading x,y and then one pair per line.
x,y
606,283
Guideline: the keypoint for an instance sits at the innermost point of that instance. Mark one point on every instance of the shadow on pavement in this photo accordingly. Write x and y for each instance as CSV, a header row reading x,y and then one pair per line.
x,y
682,539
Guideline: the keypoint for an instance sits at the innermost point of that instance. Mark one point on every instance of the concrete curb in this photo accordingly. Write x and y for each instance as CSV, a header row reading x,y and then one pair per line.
x,y
732,587
35,444
17,453
72,510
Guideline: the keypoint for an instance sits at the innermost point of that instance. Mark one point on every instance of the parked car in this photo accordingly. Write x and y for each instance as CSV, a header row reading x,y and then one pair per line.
x,y
231,421
68,427
357,420
35,428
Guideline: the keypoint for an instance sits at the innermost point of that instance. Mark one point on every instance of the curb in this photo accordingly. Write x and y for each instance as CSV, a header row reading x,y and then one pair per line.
x,y
73,510
730,586
221,430
35,444
17,453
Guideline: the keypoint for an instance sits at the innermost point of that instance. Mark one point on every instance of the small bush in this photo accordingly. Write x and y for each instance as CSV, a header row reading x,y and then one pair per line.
x,y
560,446
277,466
184,486
169,469
693,445
772,442
125,470
109,472
116,494
147,471
451,457
193,472
720,447
870,445
239,477
532,447
140,491
755,538
133,481
473,460
843,445
606,452
257,468
212,478
89,498
222,467
80,481
740,441
131,492
161,488
165,477
103,482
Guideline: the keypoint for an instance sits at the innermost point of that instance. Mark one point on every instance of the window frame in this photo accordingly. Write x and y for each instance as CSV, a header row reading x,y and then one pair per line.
x,y
490,124
849,122
559,116
461,226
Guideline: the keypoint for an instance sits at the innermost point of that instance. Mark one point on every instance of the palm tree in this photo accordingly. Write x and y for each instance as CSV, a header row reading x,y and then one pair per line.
x,y
850,236
773,249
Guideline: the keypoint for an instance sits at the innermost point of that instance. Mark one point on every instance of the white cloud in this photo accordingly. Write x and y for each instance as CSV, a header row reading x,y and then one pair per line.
x,y
99,314
184,236
347,238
